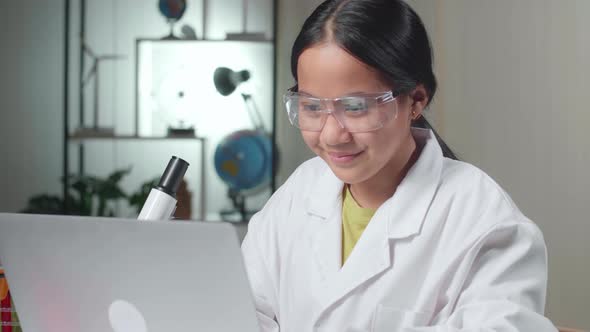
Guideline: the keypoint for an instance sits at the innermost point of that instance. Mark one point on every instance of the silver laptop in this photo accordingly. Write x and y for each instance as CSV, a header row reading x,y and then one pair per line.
x,y
84,274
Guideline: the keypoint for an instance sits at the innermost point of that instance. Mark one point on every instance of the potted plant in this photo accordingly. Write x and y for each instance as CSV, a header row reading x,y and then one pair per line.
x,y
83,193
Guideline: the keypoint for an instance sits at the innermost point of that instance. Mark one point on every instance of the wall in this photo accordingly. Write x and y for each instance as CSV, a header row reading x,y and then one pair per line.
x,y
514,81
31,94
292,149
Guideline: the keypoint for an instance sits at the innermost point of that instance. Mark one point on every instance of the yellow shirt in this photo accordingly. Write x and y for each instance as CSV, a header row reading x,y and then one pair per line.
x,y
354,221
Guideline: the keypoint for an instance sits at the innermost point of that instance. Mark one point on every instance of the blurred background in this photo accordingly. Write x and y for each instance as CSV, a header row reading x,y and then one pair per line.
x,y
95,96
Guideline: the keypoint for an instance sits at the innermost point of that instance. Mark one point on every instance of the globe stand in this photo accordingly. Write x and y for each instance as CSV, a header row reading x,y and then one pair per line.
x,y
171,35
239,203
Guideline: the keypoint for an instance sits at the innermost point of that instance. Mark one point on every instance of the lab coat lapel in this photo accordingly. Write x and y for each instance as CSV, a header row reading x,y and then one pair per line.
x,y
325,205
398,218
370,257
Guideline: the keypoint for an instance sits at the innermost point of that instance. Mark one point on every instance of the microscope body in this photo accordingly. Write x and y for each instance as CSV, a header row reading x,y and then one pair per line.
x,y
161,202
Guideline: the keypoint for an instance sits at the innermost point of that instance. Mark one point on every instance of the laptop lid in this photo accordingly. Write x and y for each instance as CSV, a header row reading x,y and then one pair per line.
x,y
86,274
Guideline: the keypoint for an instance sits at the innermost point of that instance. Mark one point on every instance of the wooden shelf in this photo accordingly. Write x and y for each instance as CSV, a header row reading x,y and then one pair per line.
x,y
86,137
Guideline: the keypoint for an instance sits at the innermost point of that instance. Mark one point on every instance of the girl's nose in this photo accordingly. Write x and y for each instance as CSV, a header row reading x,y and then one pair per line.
x,y
334,132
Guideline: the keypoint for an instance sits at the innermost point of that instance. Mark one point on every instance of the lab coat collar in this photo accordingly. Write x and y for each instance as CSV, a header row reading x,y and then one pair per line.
x,y
326,196
407,208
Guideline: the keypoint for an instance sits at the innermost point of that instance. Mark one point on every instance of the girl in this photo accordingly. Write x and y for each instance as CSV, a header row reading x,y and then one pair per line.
x,y
382,232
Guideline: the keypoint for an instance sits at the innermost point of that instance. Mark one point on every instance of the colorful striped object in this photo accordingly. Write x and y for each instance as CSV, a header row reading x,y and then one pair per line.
x,y
8,318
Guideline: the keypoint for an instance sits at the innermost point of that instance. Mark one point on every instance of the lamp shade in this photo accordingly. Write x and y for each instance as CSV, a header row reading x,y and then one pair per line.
x,y
226,80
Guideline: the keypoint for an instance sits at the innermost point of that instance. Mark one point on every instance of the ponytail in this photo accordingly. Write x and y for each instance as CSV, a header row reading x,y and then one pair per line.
x,y
421,122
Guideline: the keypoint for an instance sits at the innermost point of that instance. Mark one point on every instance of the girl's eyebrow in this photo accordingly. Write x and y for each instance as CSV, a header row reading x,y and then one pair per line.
x,y
303,92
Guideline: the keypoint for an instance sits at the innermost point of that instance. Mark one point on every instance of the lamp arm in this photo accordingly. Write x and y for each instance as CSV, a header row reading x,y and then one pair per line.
x,y
253,112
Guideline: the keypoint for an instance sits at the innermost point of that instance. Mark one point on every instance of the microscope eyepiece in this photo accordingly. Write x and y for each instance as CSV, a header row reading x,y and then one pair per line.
x,y
173,175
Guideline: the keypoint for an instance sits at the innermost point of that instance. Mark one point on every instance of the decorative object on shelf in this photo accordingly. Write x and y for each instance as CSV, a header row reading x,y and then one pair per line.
x,y
227,81
188,32
172,10
243,159
175,101
184,209
243,162
93,74
181,131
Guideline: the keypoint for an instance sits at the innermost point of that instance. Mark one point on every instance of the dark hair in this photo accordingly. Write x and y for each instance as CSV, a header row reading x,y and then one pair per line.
x,y
387,35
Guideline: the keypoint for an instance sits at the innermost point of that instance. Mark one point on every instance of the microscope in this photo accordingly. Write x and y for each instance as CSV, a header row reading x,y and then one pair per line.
x,y
161,202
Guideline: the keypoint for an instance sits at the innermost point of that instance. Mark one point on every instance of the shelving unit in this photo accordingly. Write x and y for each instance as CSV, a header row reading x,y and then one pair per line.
x,y
76,144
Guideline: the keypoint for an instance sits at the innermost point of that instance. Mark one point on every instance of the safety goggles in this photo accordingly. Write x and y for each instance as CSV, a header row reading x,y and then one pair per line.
x,y
356,113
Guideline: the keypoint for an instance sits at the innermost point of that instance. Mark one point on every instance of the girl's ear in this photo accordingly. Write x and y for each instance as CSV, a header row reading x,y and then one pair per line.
x,y
419,100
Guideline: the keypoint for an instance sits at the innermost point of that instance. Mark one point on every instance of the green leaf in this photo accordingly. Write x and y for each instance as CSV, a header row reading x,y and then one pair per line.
x,y
44,204
116,176
82,192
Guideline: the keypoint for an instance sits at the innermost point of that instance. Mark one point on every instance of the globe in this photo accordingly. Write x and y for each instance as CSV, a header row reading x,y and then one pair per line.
x,y
243,160
172,9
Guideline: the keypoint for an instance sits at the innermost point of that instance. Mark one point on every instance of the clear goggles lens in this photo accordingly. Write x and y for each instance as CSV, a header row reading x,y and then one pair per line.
x,y
357,113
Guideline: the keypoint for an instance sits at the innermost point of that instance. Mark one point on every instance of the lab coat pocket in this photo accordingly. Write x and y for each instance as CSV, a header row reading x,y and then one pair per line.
x,y
388,319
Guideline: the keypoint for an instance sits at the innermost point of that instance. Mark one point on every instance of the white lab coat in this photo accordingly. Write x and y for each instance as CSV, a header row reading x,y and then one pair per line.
x,y
449,251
